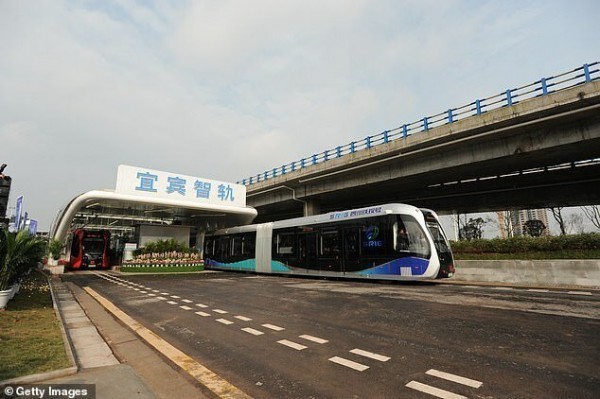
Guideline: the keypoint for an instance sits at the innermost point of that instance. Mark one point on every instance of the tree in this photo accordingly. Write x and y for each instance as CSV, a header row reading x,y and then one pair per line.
x,y
575,223
593,214
473,229
534,227
557,214
19,252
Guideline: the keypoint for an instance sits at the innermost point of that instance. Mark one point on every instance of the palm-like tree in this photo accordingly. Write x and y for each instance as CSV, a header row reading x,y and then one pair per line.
x,y
19,253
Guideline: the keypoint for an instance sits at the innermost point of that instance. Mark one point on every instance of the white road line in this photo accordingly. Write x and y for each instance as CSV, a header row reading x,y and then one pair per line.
x,y
155,291
220,311
185,307
201,305
440,393
579,293
273,327
172,302
162,298
292,345
203,314
136,289
143,292
348,363
151,294
314,339
455,378
252,331
186,301
225,321
537,290
503,288
370,355
175,297
243,318
164,293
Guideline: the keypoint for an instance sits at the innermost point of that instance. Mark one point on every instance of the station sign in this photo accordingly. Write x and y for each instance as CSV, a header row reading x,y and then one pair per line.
x,y
159,184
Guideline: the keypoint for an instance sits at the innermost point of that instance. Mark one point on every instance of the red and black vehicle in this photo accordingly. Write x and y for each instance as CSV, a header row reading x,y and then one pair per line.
x,y
90,249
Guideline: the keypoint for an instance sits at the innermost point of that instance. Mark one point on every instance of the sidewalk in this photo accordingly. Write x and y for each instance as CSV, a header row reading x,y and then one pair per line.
x,y
112,357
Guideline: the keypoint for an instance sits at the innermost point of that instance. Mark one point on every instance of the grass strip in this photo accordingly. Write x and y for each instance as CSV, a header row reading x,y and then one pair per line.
x,y
30,337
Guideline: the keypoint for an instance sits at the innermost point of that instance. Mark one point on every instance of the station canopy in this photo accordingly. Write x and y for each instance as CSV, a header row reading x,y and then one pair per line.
x,y
147,196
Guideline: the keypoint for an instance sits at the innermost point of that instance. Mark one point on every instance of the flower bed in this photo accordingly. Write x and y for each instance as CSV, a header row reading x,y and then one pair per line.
x,y
164,262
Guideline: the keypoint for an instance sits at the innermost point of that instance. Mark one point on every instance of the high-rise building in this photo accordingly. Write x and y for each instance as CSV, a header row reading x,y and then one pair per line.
x,y
512,222
4,194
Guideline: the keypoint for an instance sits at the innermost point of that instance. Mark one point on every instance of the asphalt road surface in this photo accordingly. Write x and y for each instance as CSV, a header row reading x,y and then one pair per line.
x,y
276,337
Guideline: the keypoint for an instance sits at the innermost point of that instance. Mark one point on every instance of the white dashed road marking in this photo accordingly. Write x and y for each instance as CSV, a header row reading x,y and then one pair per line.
x,y
537,290
225,321
175,297
579,293
172,302
243,318
314,339
185,307
201,305
203,314
162,298
348,363
440,393
370,355
220,311
252,331
292,344
273,327
455,378
186,301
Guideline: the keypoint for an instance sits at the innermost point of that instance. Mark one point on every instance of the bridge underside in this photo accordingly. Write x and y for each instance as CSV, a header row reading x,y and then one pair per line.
x,y
536,160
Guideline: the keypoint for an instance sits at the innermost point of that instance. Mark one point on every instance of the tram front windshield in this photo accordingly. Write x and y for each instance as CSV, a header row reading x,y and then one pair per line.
x,y
410,238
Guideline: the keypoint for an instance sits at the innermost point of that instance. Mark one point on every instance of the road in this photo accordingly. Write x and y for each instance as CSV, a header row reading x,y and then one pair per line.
x,y
277,337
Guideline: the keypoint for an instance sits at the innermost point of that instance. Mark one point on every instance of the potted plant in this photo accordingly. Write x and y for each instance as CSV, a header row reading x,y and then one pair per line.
x,y
55,248
19,253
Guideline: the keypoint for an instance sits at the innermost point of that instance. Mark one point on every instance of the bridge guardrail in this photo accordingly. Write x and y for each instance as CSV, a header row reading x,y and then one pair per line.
x,y
542,87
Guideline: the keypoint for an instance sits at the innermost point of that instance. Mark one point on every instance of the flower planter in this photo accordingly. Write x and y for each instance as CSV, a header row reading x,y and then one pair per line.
x,y
5,296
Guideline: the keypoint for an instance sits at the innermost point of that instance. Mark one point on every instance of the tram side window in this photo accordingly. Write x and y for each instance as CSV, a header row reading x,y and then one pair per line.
x,y
410,237
374,239
238,245
224,247
284,244
249,244
330,244
209,247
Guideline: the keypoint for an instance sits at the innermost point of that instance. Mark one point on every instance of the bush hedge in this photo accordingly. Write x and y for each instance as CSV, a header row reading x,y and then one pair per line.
x,y
569,246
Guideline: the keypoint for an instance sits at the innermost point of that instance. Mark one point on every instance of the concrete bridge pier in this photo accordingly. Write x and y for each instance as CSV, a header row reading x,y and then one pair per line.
x,y
312,207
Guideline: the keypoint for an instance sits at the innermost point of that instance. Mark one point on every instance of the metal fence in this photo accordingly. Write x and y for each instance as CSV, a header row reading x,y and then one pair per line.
x,y
544,86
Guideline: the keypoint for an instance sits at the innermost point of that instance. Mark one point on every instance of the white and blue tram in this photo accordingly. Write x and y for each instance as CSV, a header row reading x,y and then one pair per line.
x,y
392,241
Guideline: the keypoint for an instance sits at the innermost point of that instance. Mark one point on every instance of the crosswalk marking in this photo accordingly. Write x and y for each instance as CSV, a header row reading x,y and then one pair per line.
x,y
370,355
252,331
221,311
314,339
201,305
203,314
440,393
185,307
273,327
348,363
243,318
292,344
455,378
225,321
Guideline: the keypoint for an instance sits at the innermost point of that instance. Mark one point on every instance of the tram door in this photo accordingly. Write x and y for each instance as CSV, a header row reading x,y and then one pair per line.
x,y
307,243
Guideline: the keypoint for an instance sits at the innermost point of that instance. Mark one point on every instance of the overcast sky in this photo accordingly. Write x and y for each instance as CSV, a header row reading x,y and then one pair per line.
x,y
228,89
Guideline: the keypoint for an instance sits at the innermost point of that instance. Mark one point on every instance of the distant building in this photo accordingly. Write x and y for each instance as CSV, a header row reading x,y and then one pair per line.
x,y
512,222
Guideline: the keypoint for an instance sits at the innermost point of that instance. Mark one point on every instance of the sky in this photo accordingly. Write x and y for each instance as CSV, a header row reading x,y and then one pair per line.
x,y
227,89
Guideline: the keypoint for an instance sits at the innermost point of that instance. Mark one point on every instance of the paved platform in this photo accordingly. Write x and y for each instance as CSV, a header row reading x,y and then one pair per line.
x,y
112,357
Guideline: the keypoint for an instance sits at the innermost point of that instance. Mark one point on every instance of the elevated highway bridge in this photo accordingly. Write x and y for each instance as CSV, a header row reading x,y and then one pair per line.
x,y
532,147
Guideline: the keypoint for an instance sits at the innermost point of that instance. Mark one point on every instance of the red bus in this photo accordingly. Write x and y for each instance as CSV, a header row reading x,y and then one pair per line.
x,y
90,249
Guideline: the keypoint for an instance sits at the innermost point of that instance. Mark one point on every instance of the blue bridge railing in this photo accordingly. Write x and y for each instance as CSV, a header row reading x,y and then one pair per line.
x,y
542,87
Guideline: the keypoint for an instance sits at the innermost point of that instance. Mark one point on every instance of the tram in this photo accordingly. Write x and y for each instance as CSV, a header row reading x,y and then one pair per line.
x,y
90,249
390,242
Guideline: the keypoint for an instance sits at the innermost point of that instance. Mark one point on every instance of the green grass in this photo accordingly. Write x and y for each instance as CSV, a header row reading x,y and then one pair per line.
x,y
30,338
165,269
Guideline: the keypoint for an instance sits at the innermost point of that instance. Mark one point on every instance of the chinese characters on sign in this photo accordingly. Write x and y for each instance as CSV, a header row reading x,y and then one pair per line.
x,y
148,182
